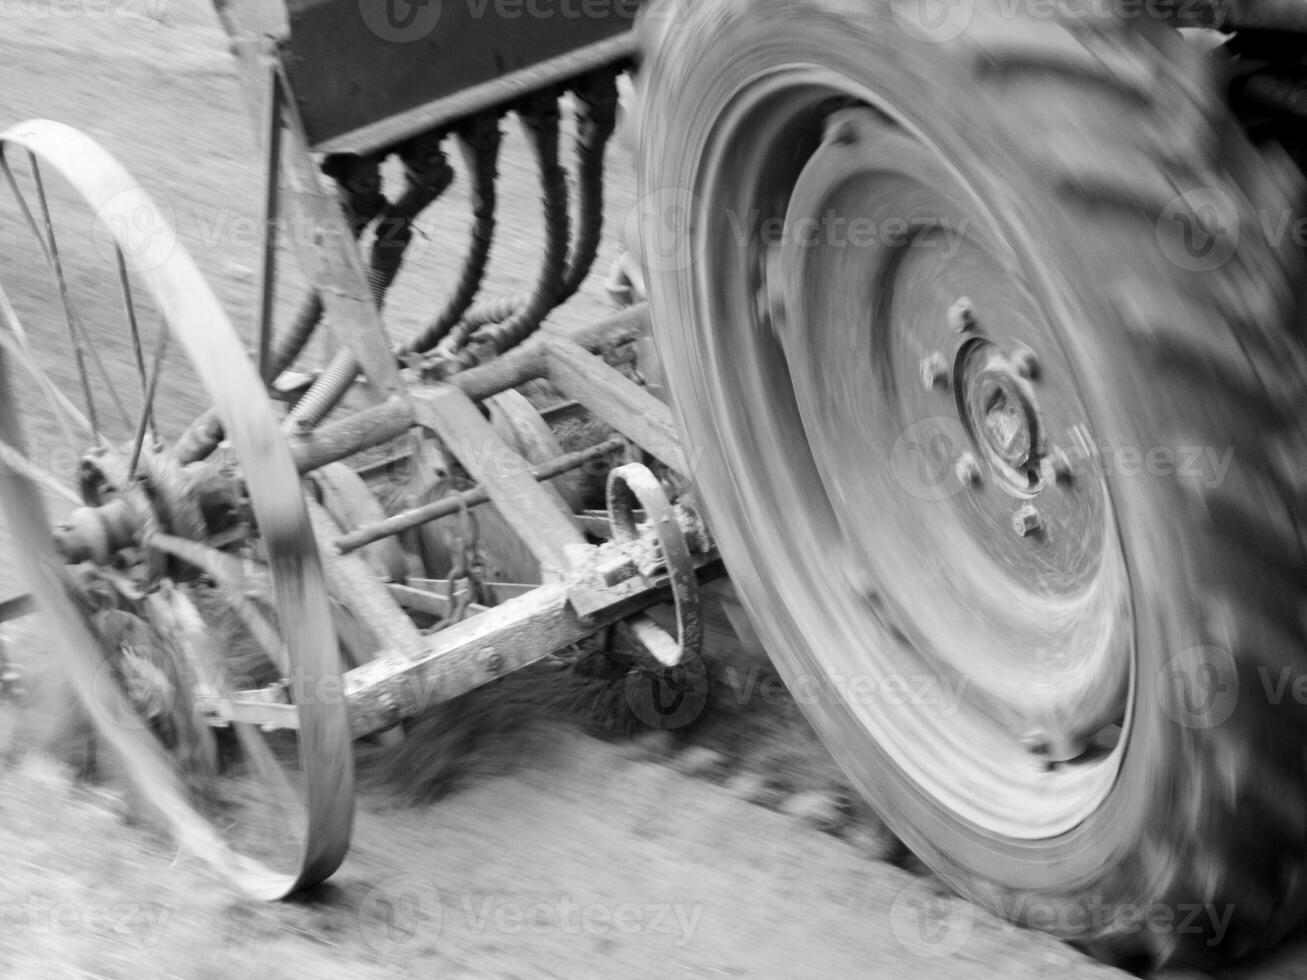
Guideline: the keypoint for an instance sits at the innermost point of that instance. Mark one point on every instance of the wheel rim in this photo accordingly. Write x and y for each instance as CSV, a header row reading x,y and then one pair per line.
x,y
847,394
192,317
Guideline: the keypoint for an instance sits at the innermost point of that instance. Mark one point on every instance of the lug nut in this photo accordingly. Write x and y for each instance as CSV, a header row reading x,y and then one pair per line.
x,y
934,371
1057,467
967,470
962,315
1026,521
1026,363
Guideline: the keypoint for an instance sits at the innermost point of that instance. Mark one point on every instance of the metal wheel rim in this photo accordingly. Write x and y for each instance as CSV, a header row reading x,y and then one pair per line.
x,y
989,780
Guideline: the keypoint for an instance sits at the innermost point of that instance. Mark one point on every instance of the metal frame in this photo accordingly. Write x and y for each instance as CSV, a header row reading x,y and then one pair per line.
x,y
588,587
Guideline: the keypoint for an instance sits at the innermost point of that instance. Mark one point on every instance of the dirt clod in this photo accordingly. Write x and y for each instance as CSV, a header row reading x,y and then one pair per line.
x,y
701,762
822,811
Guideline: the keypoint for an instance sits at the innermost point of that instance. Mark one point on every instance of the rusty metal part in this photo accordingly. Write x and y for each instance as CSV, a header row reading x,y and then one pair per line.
x,y
121,512
634,484
387,421
525,429
446,506
348,499
97,533
613,397
327,389
470,438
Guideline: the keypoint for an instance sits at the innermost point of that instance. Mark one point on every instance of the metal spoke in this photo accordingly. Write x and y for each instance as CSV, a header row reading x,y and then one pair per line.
x,y
79,336
129,308
20,346
147,409
79,353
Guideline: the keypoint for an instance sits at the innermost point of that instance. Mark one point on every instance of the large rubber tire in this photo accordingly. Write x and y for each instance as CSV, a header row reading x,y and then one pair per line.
x,y
1086,142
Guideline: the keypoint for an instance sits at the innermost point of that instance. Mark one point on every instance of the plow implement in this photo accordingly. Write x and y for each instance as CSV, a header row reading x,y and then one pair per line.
x,y
235,602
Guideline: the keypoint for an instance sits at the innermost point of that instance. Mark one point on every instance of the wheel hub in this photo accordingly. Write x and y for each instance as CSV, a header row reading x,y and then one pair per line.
x,y
1000,411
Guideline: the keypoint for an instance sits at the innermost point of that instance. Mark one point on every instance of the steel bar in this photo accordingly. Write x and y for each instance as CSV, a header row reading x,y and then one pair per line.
x,y
133,327
389,420
56,265
271,212
525,504
613,397
147,410
468,100
452,504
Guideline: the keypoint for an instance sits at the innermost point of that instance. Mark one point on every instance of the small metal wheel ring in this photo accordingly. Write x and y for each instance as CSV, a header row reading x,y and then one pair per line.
x,y
632,484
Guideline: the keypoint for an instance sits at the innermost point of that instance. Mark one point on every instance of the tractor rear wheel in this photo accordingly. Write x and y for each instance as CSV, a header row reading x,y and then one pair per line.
x,y
988,358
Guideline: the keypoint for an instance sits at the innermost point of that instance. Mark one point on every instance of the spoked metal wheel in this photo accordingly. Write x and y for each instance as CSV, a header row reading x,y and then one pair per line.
x,y
917,294
170,591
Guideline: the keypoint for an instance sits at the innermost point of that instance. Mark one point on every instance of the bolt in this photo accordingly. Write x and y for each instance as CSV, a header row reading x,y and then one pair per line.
x,y
934,371
962,315
1057,467
1026,521
967,470
1026,362
494,661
